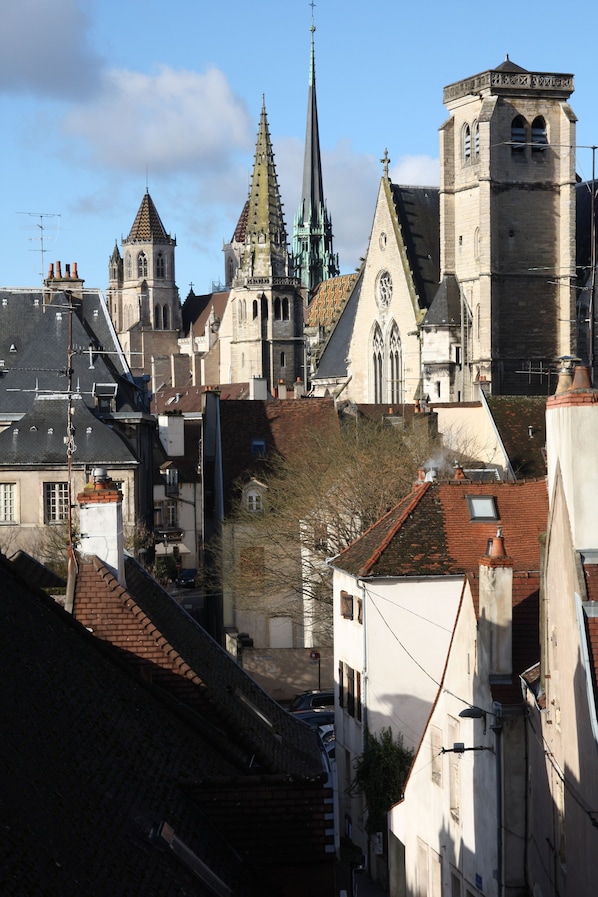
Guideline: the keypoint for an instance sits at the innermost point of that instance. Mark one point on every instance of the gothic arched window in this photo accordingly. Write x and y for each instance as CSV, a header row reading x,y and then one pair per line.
x,y
157,317
165,318
518,136
539,136
277,309
466,143
142,265
160,266
255,309
476,140
377,363
394,366
285,309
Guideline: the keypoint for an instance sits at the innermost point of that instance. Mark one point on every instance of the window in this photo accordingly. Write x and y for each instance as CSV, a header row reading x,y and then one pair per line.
x,y
394,366
467,144
476,140
360,610
539,138
346,605
254,500
285,309
283,360
160,266
518,136
170,512
165,318
7,503
277,309
377,363
258,446
142,265
157,317
341,684
56,502
255,309
482,508
350,680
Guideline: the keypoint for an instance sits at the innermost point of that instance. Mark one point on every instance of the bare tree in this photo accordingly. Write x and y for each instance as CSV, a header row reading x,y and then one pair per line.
x,y
272,554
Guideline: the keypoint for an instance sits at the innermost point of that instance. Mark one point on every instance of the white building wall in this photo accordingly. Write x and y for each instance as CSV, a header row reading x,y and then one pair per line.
x,y
449,809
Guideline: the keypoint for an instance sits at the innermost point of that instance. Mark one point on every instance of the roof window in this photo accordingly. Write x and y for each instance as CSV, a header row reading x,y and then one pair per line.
x,y
482,508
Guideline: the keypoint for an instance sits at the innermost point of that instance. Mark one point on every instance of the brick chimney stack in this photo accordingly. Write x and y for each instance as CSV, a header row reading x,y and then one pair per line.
x,y
100,514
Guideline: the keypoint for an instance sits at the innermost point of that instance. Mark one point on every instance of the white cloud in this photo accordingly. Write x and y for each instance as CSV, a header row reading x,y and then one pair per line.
x,y
415,171
45,49
176,121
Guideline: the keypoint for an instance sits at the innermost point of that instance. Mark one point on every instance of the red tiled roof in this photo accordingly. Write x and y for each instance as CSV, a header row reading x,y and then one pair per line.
x,y
436,535
189,398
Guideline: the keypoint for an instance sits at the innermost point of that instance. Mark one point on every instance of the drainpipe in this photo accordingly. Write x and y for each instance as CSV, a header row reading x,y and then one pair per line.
x,y
497,729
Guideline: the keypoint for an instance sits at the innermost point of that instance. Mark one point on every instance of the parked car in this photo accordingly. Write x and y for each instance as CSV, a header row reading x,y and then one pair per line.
x,y
316,718
186,579
310,700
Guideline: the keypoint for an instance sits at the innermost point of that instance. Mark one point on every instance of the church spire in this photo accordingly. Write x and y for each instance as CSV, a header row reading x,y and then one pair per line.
x,y
266,252
313,254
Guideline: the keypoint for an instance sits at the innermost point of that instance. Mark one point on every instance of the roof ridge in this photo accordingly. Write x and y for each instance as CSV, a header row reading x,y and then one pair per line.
x,y
415,496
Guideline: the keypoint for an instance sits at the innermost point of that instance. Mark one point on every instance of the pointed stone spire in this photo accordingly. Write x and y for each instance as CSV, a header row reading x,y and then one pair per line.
x,y
313,255
265,253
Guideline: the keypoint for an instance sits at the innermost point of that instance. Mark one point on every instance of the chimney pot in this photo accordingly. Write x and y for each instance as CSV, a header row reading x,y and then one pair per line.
x,y
581,377
58,269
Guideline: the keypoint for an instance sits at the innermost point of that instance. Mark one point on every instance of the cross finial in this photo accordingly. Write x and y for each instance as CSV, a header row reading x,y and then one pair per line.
x,y
385,162
312,27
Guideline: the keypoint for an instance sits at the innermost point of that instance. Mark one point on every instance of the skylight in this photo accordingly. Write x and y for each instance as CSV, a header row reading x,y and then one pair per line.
x,y
482,508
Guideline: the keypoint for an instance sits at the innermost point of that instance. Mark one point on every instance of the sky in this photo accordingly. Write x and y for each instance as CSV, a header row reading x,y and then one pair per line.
x,y
101,99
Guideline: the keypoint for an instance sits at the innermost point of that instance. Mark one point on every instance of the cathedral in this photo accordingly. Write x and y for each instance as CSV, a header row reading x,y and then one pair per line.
x,y
469,287
465,288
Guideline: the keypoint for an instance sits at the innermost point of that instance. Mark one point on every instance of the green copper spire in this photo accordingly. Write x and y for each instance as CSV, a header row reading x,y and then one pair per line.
x,y
313,256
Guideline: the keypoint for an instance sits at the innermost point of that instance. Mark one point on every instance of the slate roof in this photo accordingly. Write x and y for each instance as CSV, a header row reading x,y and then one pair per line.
x,y
446,305
513,416
430,533
38,437
418,213
281,423
34,343
196,310
333,360
148,227
91,760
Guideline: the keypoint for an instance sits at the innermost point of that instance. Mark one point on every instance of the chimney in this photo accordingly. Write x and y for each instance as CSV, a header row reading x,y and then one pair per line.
x,y
258,389
171,430
496,609
100,514
458,472
571,439
282,389
299,388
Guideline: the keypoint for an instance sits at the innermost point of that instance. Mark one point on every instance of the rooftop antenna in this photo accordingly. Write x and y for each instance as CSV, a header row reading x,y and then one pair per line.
x,y
42,249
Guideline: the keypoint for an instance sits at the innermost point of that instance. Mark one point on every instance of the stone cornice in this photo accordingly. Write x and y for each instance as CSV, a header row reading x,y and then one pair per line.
x,y
510,82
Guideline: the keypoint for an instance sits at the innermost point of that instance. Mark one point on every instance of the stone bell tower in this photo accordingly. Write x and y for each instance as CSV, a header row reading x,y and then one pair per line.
x,y
507,225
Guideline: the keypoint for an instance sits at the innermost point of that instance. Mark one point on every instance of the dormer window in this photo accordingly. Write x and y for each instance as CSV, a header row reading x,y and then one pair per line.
x,y
105,396
254,500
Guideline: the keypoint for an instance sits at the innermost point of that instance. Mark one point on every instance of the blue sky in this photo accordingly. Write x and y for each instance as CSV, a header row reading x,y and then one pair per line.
x,y
99,96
